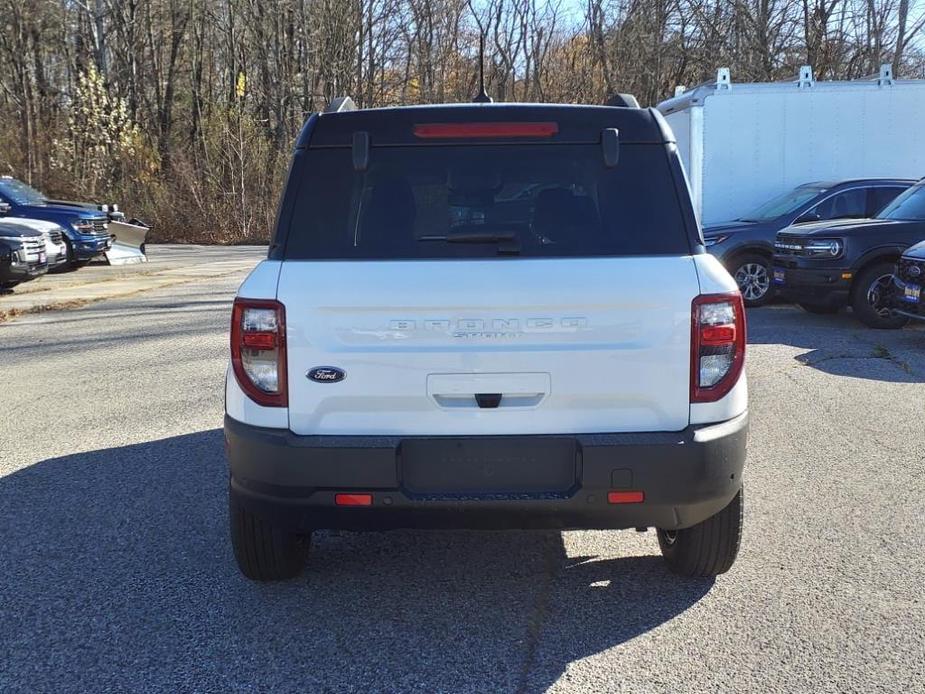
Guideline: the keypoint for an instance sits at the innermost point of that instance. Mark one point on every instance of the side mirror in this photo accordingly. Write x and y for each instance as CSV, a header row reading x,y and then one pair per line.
x,y
4,208
808,217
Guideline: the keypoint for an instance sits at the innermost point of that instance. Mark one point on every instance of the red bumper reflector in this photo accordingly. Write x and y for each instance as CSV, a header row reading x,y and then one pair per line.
x,y
462,130
625,497
353,499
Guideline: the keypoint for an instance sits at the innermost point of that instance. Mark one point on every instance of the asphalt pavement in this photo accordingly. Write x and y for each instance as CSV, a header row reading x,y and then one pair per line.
x,y
116,572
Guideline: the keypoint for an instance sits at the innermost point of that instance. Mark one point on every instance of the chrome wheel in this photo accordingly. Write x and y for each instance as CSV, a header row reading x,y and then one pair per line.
x,y
877,295
753,280
670,536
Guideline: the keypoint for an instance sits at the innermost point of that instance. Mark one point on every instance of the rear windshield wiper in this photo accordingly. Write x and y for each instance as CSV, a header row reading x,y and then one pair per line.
x,y
480,237
480,233
508,241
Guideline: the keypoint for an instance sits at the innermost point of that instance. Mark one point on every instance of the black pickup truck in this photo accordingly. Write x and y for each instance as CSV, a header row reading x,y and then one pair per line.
x,y
827,266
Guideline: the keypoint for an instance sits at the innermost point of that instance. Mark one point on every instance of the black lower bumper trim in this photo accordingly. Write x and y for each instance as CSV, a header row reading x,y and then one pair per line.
x,y
686,477
822,287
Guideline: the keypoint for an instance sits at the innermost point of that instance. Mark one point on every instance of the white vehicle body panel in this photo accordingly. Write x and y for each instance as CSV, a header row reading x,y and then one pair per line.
x,y
575,345
744,144
240,407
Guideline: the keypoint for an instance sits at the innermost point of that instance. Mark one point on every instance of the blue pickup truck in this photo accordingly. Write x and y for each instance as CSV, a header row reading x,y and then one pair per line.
x,y
85,226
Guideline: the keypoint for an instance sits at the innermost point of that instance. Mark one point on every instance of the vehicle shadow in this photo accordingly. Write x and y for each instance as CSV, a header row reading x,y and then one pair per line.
x,y
118,576
840,345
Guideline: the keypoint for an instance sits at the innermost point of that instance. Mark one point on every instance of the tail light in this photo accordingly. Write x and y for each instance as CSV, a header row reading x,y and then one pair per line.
x,y
717,345
258,350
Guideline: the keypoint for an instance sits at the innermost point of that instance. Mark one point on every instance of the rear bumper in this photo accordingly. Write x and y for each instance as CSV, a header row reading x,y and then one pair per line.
x,y
823,287
686,477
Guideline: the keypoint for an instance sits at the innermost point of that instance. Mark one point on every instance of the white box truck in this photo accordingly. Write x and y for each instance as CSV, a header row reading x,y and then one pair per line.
x,y
743,144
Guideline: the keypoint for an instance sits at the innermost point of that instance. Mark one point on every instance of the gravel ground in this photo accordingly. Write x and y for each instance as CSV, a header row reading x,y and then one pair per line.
x,y
117,574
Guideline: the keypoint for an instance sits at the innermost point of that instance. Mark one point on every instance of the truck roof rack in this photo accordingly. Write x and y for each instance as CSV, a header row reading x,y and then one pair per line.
x,y
340,104
884,78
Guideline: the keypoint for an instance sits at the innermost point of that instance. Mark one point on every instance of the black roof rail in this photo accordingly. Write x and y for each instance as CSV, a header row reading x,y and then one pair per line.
x,y
624,100
340,104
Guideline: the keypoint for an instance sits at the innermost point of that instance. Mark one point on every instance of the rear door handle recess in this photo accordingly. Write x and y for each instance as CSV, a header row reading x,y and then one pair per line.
x,y
488,390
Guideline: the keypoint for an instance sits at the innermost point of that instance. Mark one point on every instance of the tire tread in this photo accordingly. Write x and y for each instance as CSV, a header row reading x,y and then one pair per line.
x,y
262,551
709,548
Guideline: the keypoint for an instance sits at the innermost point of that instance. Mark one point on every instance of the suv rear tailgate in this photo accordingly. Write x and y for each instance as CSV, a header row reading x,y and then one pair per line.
x,y
572,345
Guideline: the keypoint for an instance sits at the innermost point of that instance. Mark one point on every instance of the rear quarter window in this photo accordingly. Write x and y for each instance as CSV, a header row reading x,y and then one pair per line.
x,y
477,201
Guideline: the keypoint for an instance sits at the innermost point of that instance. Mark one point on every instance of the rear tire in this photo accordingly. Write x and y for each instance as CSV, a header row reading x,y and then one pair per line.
x,y
708,548
752,272
264,552
870,298
819,309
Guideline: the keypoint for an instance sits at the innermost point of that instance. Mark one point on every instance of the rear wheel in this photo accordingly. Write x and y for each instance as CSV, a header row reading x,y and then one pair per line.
x,y
263,551
708,548
871,298
819,309
752,273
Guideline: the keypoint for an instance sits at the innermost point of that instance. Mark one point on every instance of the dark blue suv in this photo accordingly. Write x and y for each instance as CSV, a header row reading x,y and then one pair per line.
x,y
85,226
745,246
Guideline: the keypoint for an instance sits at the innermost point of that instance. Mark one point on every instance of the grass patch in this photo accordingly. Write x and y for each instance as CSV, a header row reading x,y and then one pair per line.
x,y
10,314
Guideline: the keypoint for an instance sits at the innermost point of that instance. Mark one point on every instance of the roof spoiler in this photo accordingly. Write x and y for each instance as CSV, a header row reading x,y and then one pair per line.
x,y
340,104
623,100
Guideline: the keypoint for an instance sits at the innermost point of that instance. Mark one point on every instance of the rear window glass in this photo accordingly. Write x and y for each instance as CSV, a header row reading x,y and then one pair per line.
x,y
458,201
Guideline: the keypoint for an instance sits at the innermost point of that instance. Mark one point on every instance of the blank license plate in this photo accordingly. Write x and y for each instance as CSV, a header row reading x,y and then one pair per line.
x,y
486,466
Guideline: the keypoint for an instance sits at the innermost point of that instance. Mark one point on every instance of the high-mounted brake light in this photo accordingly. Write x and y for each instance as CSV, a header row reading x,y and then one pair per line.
x,y
717,345
258,350
476,130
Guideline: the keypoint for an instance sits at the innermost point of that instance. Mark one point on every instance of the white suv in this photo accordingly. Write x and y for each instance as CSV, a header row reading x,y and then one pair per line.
x,y
486,316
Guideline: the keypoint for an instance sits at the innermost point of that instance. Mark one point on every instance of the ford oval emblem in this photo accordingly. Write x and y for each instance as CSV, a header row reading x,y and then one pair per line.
x,y
326,374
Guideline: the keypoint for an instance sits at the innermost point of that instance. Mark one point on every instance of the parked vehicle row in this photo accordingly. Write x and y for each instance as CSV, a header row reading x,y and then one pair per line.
x,y
70,234
826,266
829,245
746,245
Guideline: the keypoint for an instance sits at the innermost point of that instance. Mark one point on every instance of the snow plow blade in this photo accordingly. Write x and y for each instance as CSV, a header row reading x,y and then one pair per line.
x,y
128,243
